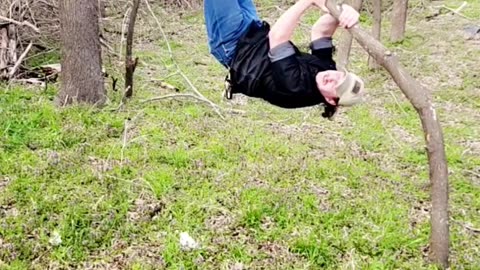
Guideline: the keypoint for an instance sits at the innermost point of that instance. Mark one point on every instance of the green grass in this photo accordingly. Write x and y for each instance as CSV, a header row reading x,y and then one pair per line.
x,y
267,189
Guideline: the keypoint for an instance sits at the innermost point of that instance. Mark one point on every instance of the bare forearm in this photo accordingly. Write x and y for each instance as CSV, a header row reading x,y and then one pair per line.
x,y
283,29
325,26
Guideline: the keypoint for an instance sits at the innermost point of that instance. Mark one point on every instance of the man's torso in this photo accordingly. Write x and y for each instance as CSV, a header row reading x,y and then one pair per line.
x,y
288,83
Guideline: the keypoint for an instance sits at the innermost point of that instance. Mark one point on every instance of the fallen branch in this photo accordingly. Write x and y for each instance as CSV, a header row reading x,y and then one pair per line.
x,y
467,227
421,101
20,59
24,23
457,10
166,85
472,229
179,70
176,96
33,81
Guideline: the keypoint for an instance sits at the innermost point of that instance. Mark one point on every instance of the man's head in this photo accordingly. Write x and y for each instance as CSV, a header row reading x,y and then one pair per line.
x,y
340,87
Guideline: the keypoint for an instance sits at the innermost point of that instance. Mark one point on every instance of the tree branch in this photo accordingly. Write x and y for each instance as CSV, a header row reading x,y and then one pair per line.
x,y
419,97
130,64
24,23
20,59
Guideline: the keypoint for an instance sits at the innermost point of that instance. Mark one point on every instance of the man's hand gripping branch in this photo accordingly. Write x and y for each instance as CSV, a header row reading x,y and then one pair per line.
x,y
326,25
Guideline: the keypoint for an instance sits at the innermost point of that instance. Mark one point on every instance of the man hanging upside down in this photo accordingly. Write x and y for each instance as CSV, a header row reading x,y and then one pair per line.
x,y
264,63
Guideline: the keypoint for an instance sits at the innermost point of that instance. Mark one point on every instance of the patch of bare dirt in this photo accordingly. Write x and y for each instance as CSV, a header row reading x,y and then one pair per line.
x,y
219,223
101,166
419,214
7,251
4,181
145,208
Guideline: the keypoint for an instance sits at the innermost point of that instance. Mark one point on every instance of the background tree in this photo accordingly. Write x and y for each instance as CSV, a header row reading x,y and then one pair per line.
x,y
399,19
81,77
422,102
345,43
8,52
376,30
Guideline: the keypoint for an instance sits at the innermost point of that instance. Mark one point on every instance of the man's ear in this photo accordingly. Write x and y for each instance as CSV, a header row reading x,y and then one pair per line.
x,y
331,101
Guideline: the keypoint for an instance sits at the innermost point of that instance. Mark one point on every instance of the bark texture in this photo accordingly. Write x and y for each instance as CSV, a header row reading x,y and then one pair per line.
x,y
130,63
82,79
345,43
376,29
421,101
399,20
8,49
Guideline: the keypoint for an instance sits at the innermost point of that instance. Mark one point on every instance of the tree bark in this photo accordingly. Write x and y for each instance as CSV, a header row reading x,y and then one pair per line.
x,y
130,63
82,79
376,30
345,43
8,49
399,20
4,58
421,101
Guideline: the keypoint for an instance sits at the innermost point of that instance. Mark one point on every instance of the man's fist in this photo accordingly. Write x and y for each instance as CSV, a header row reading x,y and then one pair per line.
x,y
349,17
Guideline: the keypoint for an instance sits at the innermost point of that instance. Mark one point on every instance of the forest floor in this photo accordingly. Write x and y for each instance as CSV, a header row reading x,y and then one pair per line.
x,y
263,188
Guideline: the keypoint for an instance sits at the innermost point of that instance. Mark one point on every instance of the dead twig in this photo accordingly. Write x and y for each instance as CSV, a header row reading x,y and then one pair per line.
x,y
475,230
20,59
173,96
24,23
129,124
33,81
467,226
179,70
104,43
457,10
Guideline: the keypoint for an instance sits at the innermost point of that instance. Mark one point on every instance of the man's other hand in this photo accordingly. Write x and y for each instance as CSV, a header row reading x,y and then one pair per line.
x,y
349,17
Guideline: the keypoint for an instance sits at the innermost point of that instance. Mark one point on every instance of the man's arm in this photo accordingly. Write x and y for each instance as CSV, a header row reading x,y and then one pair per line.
x,y
282,30
326,25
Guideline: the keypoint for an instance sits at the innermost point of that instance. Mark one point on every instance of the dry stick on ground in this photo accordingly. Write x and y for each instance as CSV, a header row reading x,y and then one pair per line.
x,y
457,10
174,96
421,101
130,64
179,70
346,40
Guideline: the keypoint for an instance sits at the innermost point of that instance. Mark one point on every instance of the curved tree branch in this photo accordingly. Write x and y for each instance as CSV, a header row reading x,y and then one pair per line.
x,y
421,101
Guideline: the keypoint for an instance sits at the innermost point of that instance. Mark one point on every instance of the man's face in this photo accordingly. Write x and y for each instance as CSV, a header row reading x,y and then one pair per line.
x,y
327,83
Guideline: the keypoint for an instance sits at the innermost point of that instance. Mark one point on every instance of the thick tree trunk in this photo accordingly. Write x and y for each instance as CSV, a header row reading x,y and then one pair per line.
x,y
8,49
82,79
345,43
421,101
399,20
376,30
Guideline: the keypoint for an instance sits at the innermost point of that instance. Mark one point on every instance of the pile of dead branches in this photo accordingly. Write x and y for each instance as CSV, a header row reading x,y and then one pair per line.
x,y
26,27
31,27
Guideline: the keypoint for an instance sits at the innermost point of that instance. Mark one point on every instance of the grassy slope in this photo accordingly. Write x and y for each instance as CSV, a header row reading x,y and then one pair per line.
x,y
266,189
